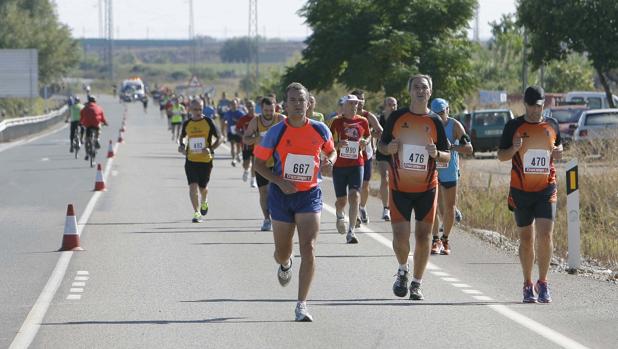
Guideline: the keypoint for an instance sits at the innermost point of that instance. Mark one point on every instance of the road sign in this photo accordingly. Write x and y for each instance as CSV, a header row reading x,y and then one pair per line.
x,y
19,73
195,82
572,186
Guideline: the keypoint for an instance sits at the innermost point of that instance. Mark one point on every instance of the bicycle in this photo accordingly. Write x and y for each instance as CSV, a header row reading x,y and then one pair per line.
x,y
91,149
76,143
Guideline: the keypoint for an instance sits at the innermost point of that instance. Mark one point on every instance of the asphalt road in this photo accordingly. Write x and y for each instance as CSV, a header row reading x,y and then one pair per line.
x,y
149,278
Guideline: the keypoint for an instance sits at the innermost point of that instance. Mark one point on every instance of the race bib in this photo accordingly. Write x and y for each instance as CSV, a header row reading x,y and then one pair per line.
x,y
350,151
299,168
197,144
536,161
415,158
369,150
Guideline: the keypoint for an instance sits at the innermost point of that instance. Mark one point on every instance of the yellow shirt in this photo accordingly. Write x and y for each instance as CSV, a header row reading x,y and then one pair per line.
x,y
199,138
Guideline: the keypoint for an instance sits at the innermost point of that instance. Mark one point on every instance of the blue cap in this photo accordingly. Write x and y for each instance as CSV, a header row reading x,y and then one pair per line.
x,y
438,105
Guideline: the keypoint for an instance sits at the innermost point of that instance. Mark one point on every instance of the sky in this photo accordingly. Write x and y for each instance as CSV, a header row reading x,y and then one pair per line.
x,y
169,19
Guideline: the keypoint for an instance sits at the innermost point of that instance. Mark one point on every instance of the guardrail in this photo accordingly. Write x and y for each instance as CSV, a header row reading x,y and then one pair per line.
x,y
14,128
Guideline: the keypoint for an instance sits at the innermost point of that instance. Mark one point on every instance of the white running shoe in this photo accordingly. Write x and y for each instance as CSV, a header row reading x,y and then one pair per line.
x,y
245,175
253,182
302,314
351,238
341,225
386,214
284,275
267,225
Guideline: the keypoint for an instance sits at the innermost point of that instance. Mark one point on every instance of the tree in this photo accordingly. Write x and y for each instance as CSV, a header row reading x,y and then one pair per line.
x,y
237,50
34,24
564,26
376,45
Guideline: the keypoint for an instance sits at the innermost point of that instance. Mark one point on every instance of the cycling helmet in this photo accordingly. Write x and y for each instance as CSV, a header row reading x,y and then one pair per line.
x,y
92,99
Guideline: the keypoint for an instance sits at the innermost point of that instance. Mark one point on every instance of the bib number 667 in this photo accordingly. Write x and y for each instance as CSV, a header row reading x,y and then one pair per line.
x,y
301,168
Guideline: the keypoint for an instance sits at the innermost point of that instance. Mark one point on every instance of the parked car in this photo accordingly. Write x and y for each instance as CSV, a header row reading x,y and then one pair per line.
x,y
594,99
596,124
567,117
486,128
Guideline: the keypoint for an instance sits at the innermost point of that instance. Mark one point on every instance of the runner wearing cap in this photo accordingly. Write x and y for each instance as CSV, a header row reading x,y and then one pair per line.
x,y
532,143
448,175
294,198
351,135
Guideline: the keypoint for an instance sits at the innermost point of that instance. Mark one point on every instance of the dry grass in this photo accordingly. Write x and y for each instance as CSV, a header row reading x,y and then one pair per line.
x,y
486,207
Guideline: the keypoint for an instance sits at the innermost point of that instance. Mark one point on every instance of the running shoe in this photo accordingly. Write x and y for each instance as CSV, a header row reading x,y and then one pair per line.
x,y
253,182
542,289
284,274
358,222
97,145
351,238
458,215
341,225
245,175
71,150
446,248
197,218
267,225
233,163
436,246
302,314
363,215
386,214
204,208
529,296
400,287
415,291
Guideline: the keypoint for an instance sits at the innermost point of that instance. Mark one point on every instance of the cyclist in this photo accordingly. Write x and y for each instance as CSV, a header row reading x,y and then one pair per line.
x,y
74,115
91,118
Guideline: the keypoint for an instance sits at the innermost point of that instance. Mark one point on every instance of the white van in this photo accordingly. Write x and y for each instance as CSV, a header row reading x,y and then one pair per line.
x,y
594,99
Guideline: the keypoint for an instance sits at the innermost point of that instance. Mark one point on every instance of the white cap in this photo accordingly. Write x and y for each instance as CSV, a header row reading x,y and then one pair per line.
x,y
349,98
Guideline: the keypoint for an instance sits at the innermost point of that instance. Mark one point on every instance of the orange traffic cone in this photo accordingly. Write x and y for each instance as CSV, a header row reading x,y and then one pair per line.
x,y
110,150
70,238
120,139
99,185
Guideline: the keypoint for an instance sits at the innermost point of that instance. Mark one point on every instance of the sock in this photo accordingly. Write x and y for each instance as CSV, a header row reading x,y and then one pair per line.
x,y
302,304
287,266
419,281
443,238
543,281
361,207
340,216
404,267
386,207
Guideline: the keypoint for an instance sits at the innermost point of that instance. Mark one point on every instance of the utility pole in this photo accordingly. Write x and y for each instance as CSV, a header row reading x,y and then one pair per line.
x,y
524,69
109,26
101,20
253,40
476,35
192,37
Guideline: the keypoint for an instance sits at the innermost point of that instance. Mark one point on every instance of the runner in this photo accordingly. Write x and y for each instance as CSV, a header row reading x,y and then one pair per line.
x,y
532,143
390,105
199,151
231,118
311,113
178,111
375,130
247,149
448,175
256,129
295,201
222,107
74,115
351,135
414,138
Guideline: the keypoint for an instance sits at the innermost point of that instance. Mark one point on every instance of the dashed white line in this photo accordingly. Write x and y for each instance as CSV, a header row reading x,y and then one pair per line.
x,y
74,297
76,290
524,321
440,273
82,278
82,272
472,291
78,284
450,279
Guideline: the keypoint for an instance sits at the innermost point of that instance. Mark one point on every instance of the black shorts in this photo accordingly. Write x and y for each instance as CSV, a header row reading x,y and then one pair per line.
x,y
261,181
530,205
449,184
247,154
424,205
367,170
198,172
234,138
382,157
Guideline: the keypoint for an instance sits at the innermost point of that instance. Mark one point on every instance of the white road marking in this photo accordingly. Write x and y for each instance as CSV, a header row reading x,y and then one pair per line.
x,y
82,272
450,279
32,323
440,273
76,290
74,297
524,321
114,173
45,159
78,284
462,285
472,291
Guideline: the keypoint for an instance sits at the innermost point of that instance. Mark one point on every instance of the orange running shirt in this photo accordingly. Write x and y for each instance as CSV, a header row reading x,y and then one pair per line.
x,y
532,166
412,169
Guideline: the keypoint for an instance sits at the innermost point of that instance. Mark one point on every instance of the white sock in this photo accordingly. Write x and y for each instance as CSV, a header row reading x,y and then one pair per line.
x,y
404,267
340,216
301,304
361,207
419,281
287,266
